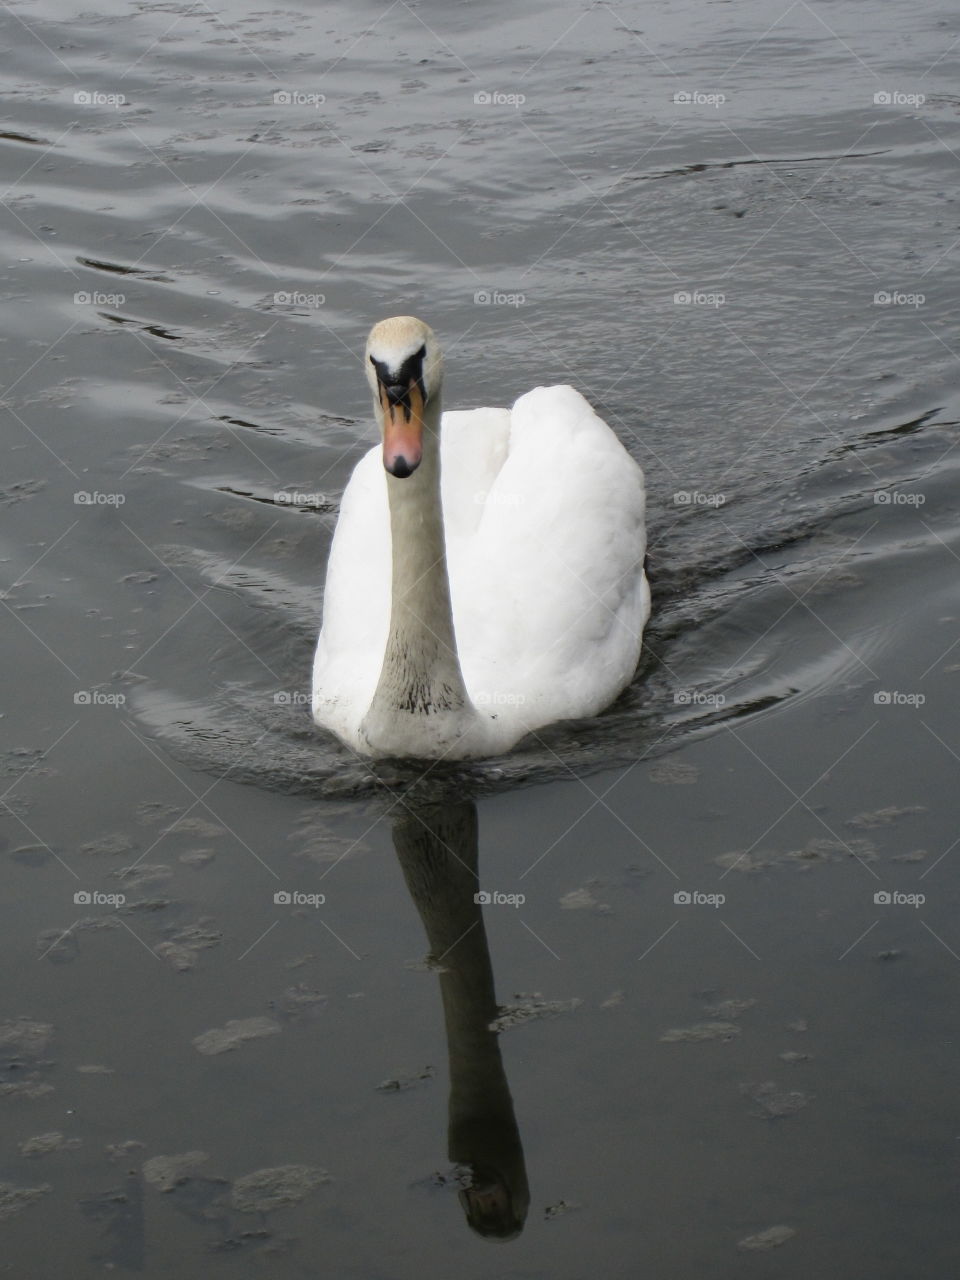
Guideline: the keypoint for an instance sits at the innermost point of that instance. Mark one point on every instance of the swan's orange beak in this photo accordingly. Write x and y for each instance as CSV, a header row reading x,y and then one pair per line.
x,y
402,428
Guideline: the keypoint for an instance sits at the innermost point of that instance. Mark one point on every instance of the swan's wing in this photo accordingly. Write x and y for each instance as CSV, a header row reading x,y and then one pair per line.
x,y
549,594
473,448
356,601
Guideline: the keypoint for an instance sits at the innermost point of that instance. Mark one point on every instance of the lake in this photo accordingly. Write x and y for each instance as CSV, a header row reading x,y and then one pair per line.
x,y
669,992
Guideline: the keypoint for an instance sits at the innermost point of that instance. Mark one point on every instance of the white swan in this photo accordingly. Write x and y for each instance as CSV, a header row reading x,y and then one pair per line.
x,y
486,574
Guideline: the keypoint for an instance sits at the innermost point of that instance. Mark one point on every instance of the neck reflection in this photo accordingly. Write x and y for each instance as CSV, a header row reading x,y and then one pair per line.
x,y
437,846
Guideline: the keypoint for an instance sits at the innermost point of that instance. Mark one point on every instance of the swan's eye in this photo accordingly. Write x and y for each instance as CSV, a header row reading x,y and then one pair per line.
x,y
397,382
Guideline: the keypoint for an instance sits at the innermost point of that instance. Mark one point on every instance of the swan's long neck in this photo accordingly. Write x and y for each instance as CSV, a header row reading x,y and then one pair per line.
x,y
421,674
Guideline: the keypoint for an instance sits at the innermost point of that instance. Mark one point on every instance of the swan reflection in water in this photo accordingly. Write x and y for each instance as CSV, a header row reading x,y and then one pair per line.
x,y
437,846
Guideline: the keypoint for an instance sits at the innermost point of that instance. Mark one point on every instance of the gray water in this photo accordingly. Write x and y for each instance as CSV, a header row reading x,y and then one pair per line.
x,y
700,1045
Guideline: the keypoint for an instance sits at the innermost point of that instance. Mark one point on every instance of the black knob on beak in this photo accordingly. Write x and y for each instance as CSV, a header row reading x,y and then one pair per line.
x,y
397,393
401,468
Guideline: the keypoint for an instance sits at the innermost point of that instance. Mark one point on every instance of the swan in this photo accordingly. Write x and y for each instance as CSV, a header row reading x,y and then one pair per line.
x,y
486,573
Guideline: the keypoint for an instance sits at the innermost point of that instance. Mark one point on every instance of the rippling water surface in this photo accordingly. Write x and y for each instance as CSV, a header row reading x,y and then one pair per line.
x,y
701,1019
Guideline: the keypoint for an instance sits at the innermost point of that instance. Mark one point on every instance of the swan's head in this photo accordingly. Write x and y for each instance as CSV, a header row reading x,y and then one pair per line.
x,y
404,368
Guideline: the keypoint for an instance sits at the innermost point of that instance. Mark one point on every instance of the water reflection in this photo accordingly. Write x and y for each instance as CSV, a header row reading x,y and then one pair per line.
x,y
437,845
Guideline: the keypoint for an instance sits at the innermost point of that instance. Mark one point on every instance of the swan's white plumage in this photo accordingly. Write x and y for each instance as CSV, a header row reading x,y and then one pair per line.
x,y
544,523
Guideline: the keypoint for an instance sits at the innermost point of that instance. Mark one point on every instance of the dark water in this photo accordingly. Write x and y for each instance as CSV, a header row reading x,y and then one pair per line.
x,y
760,1080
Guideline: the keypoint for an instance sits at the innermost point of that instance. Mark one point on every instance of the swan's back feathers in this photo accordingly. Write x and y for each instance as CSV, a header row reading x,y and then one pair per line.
x,y
544,524
550,595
